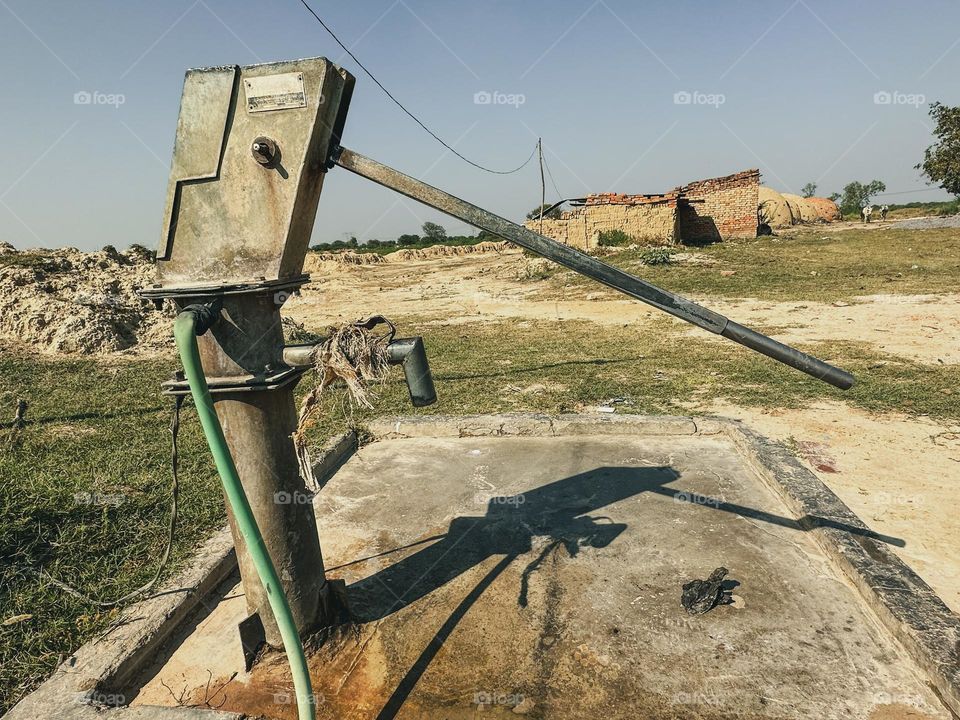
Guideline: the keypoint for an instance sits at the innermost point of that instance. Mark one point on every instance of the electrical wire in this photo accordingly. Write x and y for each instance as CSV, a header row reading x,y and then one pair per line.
x,y
550,175
400,105
907,192
171,528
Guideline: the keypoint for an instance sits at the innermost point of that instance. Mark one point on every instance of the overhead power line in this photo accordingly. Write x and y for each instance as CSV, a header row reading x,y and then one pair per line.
x,y
400,105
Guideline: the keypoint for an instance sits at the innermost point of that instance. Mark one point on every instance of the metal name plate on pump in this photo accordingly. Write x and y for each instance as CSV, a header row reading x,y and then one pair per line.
x,y
275,92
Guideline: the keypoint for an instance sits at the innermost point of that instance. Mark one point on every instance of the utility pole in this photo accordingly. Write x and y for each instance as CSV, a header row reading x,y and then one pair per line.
x,y
543,187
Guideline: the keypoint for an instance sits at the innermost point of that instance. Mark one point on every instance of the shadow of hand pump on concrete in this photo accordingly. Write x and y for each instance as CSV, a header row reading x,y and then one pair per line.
x,y
253,146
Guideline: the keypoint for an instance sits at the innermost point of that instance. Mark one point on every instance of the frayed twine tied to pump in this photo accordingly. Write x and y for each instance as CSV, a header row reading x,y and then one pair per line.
x,y
354,354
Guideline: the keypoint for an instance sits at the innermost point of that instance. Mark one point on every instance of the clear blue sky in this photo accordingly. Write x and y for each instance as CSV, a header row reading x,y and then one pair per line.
x,y
798,80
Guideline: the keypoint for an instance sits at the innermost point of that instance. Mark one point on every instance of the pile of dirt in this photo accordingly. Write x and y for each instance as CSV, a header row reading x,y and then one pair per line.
x,y
69,301
446,251
348,257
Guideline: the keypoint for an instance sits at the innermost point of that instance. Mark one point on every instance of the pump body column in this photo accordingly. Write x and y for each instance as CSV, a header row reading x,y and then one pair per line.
x,y
250,155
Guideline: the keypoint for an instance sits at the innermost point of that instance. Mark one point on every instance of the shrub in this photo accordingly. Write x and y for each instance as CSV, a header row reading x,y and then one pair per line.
x,y
614,238
656,256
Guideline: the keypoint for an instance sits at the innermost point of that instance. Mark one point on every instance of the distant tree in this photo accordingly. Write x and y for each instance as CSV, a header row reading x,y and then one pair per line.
x,y
857,194
434,232
408,240
535,213
941,161
352,242
834,196
809,190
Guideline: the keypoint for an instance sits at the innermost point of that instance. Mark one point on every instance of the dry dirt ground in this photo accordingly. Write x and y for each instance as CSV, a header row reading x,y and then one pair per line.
x,y
897,472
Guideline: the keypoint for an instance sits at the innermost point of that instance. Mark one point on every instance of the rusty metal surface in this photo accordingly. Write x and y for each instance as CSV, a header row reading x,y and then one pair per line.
x,y
591,267
230,219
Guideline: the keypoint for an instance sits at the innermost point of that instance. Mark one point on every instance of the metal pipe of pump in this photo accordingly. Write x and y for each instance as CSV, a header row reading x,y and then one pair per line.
x,y
408,352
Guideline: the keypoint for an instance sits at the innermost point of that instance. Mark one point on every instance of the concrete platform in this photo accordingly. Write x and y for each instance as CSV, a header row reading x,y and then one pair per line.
x,y
529,566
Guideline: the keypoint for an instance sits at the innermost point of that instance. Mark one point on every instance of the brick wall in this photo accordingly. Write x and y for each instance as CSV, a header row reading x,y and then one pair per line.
x,y
648,219
714,209
718,208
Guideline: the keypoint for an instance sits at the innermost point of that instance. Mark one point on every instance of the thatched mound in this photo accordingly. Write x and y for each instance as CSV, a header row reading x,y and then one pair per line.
x,y
804,212
780,210
774,210
827,210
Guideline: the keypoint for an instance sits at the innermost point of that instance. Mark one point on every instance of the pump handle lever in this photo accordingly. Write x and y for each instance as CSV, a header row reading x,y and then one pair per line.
x,y
590,266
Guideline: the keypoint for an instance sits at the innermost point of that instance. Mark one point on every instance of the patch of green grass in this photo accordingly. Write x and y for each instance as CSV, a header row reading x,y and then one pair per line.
x,y
93,430
816,264
561,366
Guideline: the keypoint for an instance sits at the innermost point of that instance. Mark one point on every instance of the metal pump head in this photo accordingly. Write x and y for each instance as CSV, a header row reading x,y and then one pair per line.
x,y
248,164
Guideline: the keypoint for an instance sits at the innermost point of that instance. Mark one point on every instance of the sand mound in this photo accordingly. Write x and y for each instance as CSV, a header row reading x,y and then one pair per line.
x,y
69,301
774,210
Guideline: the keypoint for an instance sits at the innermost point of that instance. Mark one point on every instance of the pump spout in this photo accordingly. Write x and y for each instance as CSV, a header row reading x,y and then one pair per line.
x,y
409,352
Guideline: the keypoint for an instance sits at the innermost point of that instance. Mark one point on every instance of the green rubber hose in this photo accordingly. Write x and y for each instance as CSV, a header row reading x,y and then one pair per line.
x,y
185,333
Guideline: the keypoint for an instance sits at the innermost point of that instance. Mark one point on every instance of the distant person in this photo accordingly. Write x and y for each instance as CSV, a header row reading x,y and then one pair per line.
x,y
865,212
883,212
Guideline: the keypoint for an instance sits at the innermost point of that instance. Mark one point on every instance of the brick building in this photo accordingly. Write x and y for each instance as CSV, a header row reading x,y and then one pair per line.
x,y
714,209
